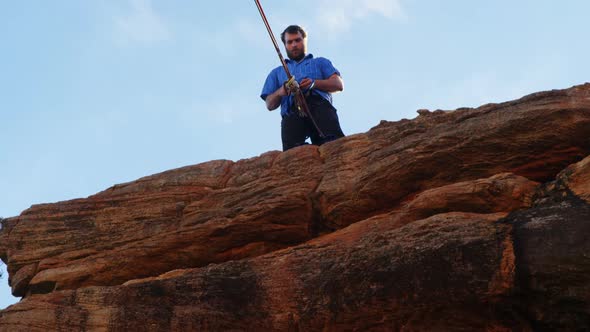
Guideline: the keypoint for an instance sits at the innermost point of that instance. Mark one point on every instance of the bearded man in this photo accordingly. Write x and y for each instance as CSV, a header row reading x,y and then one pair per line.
x,y
317,79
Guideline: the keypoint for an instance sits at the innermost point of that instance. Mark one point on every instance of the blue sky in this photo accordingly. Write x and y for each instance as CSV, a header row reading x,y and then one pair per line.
x,y
94,93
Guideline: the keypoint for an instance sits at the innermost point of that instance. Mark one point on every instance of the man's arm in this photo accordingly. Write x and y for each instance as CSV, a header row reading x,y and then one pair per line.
x,y
334,83
273,100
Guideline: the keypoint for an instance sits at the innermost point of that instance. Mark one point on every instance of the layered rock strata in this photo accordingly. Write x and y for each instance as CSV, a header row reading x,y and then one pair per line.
x,y
473,219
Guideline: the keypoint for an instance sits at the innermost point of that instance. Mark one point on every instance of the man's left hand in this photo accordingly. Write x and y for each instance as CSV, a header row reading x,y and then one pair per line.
x,y
305,83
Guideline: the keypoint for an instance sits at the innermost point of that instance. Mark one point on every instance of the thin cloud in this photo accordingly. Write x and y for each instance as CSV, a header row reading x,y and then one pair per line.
x,y
142,25
339,16
391,9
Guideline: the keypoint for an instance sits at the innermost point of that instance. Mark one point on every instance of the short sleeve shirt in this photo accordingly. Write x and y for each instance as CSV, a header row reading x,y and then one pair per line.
x,y
310,67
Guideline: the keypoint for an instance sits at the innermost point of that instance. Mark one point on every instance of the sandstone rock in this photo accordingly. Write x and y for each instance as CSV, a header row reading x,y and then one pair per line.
x,y
439,223
430,270
577,179
535,137
553,263
179,219
449,272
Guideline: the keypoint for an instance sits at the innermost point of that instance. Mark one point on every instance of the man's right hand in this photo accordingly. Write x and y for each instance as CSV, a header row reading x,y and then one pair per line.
x,y
291,86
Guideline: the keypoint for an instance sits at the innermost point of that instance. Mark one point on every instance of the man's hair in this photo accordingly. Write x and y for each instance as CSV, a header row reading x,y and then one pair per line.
x,y
292,29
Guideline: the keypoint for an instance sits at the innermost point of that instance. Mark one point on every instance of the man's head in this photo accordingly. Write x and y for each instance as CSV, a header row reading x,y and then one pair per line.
x,y
295,40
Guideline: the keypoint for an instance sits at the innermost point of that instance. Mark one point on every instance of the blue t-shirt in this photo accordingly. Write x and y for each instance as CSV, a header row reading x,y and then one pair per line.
x,y
310,67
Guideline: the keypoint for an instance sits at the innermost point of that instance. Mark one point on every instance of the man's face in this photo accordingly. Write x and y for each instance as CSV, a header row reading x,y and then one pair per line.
x,y
295,45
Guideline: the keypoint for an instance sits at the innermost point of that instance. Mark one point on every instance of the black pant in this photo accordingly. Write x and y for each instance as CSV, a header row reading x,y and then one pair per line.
x,y
295,129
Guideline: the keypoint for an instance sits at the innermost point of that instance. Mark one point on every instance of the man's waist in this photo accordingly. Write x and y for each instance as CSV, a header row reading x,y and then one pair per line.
x,y
288,105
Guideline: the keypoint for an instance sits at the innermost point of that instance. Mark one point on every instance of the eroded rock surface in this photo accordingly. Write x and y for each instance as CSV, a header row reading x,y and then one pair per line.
x,y
474,219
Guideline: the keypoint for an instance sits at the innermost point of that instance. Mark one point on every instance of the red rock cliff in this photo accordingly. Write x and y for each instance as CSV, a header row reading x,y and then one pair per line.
x,y
467,220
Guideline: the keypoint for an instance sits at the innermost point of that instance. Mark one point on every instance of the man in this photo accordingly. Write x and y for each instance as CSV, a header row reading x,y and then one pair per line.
x,y
317,79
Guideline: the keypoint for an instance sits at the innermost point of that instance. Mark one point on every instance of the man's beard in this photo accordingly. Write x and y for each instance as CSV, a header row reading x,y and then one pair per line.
x,y
298,58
